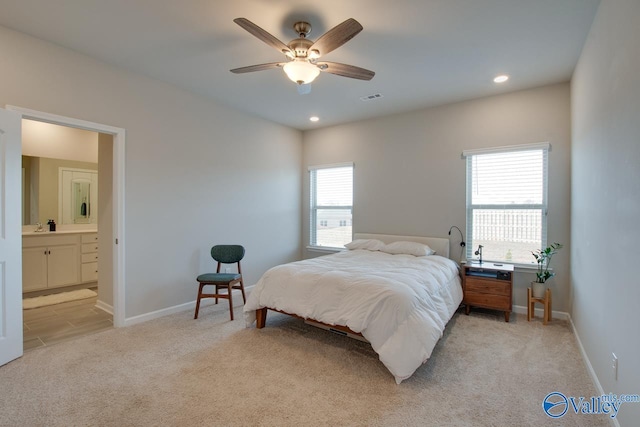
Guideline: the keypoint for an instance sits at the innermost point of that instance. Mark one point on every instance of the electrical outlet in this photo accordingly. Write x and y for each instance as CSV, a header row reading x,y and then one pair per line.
x,y
227,269
614,366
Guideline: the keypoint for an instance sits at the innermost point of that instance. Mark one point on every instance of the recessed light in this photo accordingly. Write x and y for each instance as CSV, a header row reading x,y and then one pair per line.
x,y
501,79
314,118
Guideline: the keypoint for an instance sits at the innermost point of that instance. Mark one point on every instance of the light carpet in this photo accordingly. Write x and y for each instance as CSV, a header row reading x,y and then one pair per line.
x,y
176,371
45,300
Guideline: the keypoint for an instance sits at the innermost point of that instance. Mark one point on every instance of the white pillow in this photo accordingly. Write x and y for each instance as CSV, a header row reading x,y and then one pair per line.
x,y
367,244
408,248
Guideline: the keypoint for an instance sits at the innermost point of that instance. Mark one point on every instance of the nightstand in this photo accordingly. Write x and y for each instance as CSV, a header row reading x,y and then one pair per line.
x,y
488,285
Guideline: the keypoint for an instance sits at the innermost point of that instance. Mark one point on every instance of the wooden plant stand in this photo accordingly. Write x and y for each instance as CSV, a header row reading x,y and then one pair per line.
x,y
545,301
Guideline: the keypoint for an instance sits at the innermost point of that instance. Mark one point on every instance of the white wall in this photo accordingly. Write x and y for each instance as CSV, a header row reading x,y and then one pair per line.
x,y
410,178
606,198
197,173
41,139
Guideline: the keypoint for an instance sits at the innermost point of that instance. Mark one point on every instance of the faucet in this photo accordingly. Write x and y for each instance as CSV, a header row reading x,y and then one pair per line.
x,y
39,227
479,252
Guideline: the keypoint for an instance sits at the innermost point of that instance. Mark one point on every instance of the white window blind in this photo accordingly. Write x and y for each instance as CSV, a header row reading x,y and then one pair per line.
x,y
331,205
507,203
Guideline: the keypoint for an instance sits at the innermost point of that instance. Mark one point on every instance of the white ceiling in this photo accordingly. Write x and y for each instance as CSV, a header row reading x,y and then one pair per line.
x,y
424,52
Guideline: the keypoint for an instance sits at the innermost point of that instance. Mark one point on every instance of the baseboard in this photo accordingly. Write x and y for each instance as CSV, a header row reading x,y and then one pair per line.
x,y
614,421
172,310
159,313
560,315
104,307
539,312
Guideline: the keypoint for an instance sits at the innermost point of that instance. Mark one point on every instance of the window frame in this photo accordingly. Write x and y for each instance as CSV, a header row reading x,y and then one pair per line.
x,y
314,207
543,206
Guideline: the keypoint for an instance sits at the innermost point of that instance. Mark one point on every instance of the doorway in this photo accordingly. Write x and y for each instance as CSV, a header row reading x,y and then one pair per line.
x,y
112,229
64,296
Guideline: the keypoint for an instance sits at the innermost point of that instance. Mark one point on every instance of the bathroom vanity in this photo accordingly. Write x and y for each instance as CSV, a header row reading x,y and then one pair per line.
x,y
58,259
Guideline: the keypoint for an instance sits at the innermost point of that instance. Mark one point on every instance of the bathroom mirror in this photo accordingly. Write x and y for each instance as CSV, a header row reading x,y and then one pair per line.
x,y
43,197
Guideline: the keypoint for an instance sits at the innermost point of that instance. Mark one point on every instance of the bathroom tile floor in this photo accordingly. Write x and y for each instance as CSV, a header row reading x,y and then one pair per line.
x,y
49,325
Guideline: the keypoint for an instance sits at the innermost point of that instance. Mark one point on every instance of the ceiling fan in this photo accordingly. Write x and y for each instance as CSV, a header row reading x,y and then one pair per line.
x,y
302,53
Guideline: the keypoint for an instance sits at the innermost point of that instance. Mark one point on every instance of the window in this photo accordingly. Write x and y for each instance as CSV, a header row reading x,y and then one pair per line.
x,y
331,205
507,202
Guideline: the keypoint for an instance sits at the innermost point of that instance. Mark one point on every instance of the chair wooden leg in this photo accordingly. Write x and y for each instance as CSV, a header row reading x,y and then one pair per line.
x,y
198,300
244,298
230,302
217,292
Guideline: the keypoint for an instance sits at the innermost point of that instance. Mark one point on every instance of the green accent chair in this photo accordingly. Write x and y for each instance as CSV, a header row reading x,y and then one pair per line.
x,y
223,254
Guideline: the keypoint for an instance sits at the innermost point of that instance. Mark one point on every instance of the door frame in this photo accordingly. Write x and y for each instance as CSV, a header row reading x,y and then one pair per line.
x,y
118,173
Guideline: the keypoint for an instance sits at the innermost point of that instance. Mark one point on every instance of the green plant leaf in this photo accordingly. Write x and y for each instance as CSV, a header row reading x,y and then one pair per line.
x,y
543,258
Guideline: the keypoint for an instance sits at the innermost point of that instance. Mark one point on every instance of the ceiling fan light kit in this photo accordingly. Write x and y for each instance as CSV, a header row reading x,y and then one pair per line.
x,y
302,54
300,71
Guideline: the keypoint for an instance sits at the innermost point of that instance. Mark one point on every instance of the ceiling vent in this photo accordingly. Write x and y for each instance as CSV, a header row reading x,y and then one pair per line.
x,y
371,97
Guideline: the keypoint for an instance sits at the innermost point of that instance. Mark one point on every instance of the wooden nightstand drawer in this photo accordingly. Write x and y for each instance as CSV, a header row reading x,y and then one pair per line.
x,y
496,302
495,287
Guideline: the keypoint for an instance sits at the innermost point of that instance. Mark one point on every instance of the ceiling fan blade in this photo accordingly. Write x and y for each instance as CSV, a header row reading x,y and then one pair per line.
x,y
336,37
345,70
259,67
263,35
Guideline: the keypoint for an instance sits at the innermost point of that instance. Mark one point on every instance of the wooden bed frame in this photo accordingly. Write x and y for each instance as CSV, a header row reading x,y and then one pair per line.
x,y
261,320
438,244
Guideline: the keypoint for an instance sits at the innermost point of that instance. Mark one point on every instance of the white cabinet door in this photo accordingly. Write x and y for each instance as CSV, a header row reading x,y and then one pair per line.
x,y
62,266
49,267
10,260
34,269
90,272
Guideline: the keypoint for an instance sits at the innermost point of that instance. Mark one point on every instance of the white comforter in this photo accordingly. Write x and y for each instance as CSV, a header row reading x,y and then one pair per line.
x,y
400,303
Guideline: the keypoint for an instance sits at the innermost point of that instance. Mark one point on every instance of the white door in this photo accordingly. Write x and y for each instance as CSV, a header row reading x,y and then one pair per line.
x,y
10,235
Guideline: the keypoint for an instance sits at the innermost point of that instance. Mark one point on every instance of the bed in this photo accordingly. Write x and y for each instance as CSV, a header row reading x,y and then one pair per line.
x,y
398,302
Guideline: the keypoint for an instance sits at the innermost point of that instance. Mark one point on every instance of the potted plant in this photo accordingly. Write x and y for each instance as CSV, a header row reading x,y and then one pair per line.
x,y
543,258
